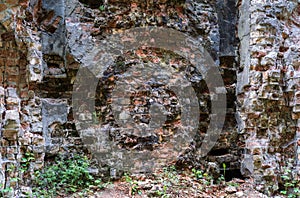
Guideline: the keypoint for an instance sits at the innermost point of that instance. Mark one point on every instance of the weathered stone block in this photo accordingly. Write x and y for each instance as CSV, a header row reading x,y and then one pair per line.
x,y
13,101
274,76
38,149
12,115
38,140
264,91
9,134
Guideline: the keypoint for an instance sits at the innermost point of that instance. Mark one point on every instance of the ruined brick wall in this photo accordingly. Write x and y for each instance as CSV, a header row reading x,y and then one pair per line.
x,y
268,89
213,24
14,91
43,43
35,116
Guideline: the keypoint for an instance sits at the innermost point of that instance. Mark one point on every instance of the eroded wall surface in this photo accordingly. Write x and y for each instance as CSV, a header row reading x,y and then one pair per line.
x,y
254,43
268,89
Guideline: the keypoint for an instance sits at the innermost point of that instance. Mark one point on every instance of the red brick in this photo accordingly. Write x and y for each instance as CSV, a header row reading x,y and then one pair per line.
x,y
22,62
12,70
24,94
13,53
2,62
12,79
2,53
1,83
23,3
12,2
2,7
8,36
11,62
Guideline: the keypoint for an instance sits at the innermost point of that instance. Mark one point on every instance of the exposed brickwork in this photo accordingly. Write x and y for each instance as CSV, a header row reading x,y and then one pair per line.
x,y
24,129
268,102
37,73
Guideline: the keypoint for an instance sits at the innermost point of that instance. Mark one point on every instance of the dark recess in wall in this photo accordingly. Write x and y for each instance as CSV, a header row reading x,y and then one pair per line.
x,y
94,4
234,173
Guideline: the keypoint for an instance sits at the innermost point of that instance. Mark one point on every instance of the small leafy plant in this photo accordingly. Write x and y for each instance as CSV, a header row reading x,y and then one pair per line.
x,y
163,193
203,177
224,169
65,175
171,173
134,187
101,8
221,180
197,173
4,191
291,186
26,160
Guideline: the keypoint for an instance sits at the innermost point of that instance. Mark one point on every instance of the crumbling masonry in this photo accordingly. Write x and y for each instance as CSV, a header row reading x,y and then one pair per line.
x,y
254,43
